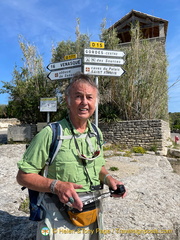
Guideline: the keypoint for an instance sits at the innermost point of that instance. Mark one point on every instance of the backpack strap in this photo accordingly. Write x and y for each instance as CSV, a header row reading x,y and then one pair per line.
x,y
56,140
55,144
96,133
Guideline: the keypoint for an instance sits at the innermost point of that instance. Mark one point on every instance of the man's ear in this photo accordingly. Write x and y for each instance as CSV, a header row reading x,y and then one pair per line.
x,y
67,99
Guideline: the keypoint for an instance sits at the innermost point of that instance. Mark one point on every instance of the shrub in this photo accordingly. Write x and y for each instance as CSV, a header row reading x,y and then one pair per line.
x,y
138,150
113,168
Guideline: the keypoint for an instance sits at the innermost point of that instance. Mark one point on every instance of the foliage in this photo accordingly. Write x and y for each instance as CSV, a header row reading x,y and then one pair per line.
x,y
69,47
61,112
108,112
113,168
28,85
24,206
138,150
109,37
109,147
127,153
176,127
3,111
153,148
174,121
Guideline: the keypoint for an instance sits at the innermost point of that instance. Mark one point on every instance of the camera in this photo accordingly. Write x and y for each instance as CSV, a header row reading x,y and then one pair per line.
x,y
119,191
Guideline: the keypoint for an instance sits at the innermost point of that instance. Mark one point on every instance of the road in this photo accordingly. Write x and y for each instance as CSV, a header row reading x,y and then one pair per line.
x,y
3,136
175,134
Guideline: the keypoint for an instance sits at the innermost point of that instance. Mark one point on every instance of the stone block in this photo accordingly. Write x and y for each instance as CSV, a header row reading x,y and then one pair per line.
x,y
19,133
40,126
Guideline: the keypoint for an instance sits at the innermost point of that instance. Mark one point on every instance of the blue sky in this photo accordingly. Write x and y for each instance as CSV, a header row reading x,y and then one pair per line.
x,y
46,22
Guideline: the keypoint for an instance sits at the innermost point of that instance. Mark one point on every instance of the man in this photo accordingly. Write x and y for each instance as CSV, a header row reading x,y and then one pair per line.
x,y
76,173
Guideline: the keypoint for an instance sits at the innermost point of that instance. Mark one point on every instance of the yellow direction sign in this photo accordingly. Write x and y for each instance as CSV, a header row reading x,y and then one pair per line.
x,y
97,44
72,56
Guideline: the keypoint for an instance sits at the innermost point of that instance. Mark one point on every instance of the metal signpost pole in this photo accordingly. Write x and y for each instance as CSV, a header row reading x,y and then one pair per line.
x,y
48,105
48,117
96,112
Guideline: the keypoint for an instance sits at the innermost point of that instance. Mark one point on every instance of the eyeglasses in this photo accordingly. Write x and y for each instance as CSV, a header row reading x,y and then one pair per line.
x,y
82,156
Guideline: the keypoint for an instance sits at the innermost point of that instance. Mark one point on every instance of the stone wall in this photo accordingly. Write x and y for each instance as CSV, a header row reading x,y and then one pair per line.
x,y
21,133
146,133
5,122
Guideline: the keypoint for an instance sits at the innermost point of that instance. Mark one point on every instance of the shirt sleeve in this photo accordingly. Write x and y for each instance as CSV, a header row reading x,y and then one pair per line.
x,y
37,153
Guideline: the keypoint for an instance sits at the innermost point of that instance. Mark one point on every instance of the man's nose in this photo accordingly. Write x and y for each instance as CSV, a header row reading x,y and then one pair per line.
x,y
84,100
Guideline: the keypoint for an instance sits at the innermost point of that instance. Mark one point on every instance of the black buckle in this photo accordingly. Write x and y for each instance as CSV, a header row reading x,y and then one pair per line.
x,y
97,187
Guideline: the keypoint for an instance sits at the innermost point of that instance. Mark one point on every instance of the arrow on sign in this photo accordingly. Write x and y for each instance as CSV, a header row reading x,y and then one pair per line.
x,y
99,70
66,64
105,53
63,74
113,61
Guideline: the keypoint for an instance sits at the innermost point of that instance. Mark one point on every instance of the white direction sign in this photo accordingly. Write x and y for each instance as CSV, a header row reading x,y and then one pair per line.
x,y
105,53
100,70
113,61
48,104
66,64
63,74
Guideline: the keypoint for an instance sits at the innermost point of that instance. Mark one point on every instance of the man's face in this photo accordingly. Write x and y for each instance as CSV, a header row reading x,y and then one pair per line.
x,y
82,101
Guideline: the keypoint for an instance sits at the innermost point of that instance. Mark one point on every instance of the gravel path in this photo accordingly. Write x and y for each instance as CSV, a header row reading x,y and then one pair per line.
x,y
152,201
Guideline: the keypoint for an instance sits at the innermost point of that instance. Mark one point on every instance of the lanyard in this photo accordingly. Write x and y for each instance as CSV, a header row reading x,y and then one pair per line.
x,y
83,157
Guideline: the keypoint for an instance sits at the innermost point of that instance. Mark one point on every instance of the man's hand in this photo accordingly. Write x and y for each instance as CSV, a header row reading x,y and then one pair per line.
x,y
113,183
66,191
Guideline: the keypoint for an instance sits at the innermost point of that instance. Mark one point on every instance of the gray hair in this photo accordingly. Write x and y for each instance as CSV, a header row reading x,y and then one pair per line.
x,y
81,77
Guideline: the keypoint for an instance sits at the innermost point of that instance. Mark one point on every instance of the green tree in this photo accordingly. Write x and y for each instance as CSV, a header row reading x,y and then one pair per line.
x,y
3,111
28,85
174,120
69,47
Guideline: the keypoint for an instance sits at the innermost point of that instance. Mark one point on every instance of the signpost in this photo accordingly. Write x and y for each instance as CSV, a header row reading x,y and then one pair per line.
x,y
109,61
97,61
97,44
104,53
67,57
64,73
48,105
66,64
104,60
101,70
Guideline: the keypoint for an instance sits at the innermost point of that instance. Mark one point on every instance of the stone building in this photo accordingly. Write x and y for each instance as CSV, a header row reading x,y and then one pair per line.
x,y
152,28
145,66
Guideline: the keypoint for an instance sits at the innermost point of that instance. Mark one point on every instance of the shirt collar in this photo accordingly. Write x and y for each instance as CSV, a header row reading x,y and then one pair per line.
x,y
88,128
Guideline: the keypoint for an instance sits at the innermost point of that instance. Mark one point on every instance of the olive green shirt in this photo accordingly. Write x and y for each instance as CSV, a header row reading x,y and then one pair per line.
x,y
67,166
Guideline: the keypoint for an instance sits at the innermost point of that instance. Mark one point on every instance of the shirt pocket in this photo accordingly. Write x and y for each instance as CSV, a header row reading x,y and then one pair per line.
x,y
67,166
